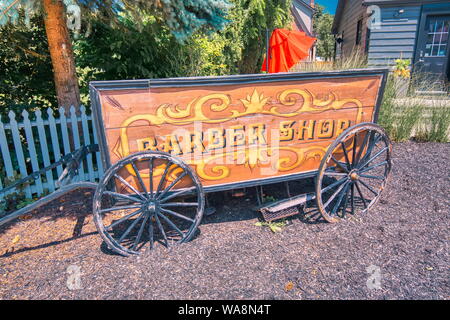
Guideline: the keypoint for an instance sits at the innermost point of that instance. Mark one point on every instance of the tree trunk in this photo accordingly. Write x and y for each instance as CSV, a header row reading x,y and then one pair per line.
x,y
61,53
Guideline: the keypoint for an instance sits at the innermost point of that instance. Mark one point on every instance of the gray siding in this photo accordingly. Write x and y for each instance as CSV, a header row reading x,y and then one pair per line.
x,y
397,36
353,11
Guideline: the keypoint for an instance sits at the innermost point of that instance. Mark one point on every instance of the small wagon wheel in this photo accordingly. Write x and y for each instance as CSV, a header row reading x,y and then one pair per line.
x,y
353,172
147,197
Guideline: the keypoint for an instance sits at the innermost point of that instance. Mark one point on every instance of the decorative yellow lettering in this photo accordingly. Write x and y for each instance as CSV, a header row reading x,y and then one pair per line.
x,y
235,135
256,134
216,138
286,130
342,124
146,144
326,128
306,129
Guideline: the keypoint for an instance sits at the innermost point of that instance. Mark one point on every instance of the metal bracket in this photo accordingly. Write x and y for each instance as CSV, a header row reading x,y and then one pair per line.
x,y
285,208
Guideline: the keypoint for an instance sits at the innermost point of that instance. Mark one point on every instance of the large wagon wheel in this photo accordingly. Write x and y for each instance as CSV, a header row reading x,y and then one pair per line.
x,y
147,197
353,172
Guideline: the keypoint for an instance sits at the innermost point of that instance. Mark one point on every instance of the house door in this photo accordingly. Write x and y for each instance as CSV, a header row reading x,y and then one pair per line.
x,y
432,50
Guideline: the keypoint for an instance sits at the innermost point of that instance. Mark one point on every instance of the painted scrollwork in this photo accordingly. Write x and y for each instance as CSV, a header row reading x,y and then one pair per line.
x,y
256,103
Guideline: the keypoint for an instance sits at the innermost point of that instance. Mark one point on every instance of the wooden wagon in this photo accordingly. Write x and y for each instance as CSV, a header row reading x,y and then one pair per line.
x,y
168,142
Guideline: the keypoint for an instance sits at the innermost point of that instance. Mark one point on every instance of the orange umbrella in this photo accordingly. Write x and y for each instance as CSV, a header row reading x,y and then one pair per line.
x,y
287,47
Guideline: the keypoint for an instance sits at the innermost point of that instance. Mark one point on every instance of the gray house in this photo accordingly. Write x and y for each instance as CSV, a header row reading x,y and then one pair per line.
x,y
302,13
386,30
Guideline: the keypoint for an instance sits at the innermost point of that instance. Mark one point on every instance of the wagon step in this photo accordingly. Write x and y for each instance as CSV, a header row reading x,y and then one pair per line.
x,y
284,208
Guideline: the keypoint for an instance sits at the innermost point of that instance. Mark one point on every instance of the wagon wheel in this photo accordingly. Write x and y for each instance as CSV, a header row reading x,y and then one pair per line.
x,y
148,197
353,172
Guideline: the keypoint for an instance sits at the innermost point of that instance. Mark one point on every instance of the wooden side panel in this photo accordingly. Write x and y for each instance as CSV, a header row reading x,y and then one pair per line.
x,y
234,133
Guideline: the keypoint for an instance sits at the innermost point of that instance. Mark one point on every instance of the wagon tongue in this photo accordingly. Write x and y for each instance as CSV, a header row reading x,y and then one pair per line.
x,y
284,208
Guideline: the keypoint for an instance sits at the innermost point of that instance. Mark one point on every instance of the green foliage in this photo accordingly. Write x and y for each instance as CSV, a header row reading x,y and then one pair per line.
x,y
322,23
274,226
150,52
183,17
14,200
268,199
399,117
26,76
436,128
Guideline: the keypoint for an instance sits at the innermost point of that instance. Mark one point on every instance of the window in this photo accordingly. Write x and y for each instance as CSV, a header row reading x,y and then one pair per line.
x,y
358,32
438,29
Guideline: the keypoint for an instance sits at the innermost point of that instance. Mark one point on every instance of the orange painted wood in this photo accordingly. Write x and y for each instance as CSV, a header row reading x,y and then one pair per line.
x,y
234,133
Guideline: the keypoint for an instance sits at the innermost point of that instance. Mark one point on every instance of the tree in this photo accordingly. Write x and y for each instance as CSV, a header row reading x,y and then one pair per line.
x,y
183,17
322,25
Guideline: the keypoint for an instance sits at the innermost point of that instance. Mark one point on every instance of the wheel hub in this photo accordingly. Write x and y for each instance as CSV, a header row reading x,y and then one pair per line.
x,y
353,175
151,206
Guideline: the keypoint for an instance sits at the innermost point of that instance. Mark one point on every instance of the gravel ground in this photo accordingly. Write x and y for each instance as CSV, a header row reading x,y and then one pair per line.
x,y
406,236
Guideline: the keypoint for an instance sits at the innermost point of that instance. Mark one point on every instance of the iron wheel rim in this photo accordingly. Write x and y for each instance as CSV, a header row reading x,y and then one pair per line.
x,y
355,187
153,205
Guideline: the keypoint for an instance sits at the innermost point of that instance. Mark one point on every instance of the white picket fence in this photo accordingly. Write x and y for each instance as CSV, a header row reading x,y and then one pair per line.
x,y
36,141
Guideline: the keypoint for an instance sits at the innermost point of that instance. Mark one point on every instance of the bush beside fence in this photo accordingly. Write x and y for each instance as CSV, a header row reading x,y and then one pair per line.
x,y
30,142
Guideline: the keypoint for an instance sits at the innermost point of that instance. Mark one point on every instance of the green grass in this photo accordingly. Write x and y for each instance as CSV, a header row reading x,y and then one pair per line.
x,y
410,117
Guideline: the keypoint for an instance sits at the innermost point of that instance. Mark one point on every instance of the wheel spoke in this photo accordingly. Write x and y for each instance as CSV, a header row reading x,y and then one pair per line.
x,y
353,198
355,143
176,194
372,146
134,206
174,182
123,196
360,194
344,210
362,170
150,233
334,184
368,187
334,195
180,204
375,156
171,224
161,229
115,223
363,145
151,177
338,163
372,177
335,174
178,215
163,178
349,166
130,228
339,200
129,186
138,175
139,235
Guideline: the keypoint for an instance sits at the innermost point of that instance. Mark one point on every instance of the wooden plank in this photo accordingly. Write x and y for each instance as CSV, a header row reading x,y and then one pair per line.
x,y
76,141
44,149
32,149
87,141
98,158
18,149
55,140
64,130
5,151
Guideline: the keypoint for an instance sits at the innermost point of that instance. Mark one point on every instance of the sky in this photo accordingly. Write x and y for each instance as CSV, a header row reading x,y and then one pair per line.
x,y
330,5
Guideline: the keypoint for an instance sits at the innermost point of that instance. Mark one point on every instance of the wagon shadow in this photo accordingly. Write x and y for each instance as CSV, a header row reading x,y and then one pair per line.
x,y
230,208
76,207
